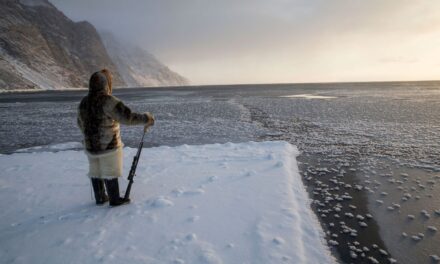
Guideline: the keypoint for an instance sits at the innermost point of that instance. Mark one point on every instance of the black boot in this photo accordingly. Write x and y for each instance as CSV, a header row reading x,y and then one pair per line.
x,y
113,192
99,190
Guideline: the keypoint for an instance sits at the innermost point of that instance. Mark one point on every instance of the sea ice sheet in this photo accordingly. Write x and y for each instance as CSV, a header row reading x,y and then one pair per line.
x,y
219,203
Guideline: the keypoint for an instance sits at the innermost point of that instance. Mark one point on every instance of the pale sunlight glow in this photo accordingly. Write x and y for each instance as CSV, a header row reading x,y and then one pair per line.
x,y
280,41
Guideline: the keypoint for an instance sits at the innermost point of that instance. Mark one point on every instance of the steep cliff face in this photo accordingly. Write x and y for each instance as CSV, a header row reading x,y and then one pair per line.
x,y
137,67
41,48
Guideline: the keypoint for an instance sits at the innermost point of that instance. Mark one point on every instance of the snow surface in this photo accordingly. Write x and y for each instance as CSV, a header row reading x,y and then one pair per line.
x,y
219,203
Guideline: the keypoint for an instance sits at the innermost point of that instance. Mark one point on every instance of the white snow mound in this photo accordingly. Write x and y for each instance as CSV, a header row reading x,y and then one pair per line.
x,y
220,203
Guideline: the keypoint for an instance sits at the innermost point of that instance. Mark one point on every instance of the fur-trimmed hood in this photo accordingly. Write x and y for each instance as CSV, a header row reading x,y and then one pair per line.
x,y
100,83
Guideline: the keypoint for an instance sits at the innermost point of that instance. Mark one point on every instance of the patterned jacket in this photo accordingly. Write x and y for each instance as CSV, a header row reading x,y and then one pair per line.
x,y
100,113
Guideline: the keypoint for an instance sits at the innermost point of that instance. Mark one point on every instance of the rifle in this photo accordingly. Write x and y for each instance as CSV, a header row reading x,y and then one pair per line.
x,y
134,164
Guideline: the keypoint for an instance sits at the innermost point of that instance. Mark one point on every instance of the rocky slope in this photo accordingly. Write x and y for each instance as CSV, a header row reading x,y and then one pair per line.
x,y
137,67
41,48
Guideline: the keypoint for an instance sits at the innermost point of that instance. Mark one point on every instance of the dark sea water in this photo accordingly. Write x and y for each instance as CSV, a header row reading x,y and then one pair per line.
x,y
369,150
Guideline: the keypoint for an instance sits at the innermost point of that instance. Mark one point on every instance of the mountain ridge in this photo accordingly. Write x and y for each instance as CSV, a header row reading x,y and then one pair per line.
x,y
137,66
41,48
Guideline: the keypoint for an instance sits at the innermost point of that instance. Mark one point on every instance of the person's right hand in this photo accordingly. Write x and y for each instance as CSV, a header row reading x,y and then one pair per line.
x,y
150,119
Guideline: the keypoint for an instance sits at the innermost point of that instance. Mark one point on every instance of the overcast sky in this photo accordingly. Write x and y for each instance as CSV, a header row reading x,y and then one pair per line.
x,y
273,41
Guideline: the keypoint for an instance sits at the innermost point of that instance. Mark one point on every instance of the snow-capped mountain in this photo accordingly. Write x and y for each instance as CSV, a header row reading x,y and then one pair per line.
x,y
41,48
137,67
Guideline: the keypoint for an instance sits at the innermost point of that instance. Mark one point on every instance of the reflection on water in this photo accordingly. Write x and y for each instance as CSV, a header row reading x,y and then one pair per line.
x,y
308,96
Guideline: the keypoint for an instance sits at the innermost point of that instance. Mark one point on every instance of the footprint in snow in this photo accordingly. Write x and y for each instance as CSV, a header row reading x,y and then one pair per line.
x,y
182,192
161,202
193,219
212,179
194,192
279,164
278,241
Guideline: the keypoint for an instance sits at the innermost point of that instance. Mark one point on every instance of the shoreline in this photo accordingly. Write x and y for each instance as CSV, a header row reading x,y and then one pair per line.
x,y
216,86
350,242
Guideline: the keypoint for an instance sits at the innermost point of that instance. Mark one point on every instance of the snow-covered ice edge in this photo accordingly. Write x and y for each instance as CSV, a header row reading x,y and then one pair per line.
x,y
218,203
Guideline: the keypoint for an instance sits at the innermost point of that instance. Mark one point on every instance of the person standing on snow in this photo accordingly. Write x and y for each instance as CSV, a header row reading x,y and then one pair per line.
x,y
99,115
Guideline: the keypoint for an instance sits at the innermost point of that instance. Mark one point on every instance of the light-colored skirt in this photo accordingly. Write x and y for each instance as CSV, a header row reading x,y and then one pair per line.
x,y
105,166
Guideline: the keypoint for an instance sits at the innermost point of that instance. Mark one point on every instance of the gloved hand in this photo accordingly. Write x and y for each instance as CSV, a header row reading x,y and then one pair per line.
x,y
150,119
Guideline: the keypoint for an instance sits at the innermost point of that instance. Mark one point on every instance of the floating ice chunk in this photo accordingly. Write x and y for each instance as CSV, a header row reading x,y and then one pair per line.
x,y
363,224
383,252
360,217
425,213
384,193
391,260
416,238
333,242
435,258
373,260
379,201
404,234
346,197
411,217
349,215
369,216
432,228
353,255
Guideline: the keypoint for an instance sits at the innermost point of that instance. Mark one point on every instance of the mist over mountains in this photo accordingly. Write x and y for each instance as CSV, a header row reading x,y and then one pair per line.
x,y
41,48
136,66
